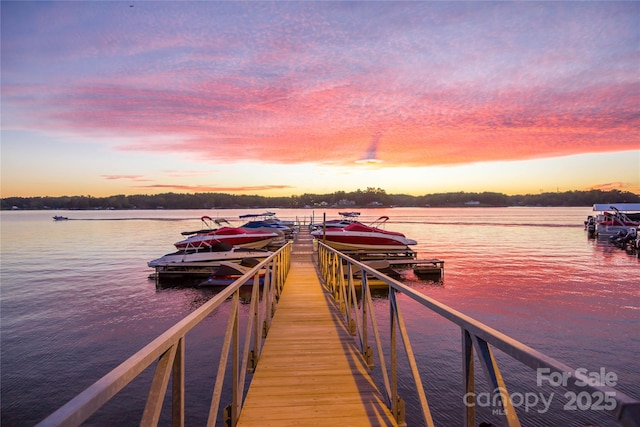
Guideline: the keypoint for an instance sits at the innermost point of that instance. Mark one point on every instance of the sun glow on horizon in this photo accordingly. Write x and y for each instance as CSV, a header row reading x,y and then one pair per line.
x,y
607,171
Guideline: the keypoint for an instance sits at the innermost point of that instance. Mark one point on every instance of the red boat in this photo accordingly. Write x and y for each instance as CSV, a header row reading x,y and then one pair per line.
x,y
234,236
358,236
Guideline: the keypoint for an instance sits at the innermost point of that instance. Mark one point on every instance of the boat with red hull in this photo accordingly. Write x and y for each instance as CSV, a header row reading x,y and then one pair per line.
x,y
358,236
234,236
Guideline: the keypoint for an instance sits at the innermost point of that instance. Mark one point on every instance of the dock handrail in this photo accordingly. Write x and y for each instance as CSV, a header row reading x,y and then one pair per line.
x,y
337,271
168,353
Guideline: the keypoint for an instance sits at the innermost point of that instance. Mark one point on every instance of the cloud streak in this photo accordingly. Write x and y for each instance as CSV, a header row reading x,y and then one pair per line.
x,y
125,177
214,188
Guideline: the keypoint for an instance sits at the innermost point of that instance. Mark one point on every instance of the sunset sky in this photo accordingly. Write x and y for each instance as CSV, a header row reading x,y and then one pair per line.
x,y
283,98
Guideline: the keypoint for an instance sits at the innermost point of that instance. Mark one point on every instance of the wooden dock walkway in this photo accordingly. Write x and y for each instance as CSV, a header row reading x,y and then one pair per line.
x,y
310,372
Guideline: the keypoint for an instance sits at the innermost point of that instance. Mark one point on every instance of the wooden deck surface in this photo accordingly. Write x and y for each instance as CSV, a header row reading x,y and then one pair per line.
x,y
310,372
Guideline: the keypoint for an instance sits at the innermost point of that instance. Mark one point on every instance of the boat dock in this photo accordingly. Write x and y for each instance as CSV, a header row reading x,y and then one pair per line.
x,y
311,348
385,261
166,273
310,370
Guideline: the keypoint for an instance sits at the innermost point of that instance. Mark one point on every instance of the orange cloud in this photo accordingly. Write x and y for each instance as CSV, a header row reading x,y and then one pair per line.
x,y
614,186
216,189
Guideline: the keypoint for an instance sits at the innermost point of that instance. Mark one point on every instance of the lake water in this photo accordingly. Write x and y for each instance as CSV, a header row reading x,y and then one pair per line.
x,y
76,301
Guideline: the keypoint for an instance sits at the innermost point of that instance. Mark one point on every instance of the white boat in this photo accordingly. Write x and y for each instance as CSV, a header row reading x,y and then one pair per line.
x,y
211,254
616,218
358,236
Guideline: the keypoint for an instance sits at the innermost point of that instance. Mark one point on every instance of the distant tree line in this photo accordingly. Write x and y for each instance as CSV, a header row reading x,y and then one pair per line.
x,y
346,200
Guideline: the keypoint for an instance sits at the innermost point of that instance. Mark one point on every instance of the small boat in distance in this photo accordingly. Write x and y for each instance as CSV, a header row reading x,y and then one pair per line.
x,y
358,236
60,218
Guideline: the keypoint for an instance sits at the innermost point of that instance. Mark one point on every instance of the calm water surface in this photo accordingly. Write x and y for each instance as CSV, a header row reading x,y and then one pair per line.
x,y
76,301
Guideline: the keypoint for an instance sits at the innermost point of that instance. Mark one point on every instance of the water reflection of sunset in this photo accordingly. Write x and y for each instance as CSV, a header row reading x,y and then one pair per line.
x,y
531,273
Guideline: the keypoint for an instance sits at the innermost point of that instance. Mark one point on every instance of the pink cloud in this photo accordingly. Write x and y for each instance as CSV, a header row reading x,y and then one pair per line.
x,y
623,186
139,178
441,83
335,123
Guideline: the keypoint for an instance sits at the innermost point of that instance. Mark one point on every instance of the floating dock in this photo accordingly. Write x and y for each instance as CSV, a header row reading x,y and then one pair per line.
x,y
183,271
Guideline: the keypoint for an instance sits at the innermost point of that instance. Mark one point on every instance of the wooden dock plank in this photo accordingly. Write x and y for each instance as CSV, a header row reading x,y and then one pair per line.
x,y
310,372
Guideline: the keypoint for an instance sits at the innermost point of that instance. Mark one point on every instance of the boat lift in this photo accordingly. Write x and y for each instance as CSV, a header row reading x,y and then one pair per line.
x,y
423,268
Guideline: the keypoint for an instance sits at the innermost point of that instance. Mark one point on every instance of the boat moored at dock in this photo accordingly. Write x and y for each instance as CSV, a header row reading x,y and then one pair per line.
x,y
614,219
267,221
346,218
212,253
358,236
234,236
208,235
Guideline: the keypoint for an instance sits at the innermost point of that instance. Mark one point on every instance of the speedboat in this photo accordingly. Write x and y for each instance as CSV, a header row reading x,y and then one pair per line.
x,y
234,236
212,254
358,236
208,225
60,218
228,272
268,222
346,218
616,218
269,217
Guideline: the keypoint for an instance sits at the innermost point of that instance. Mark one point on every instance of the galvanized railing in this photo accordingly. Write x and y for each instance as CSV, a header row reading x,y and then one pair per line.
x,y
337,272
168,353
